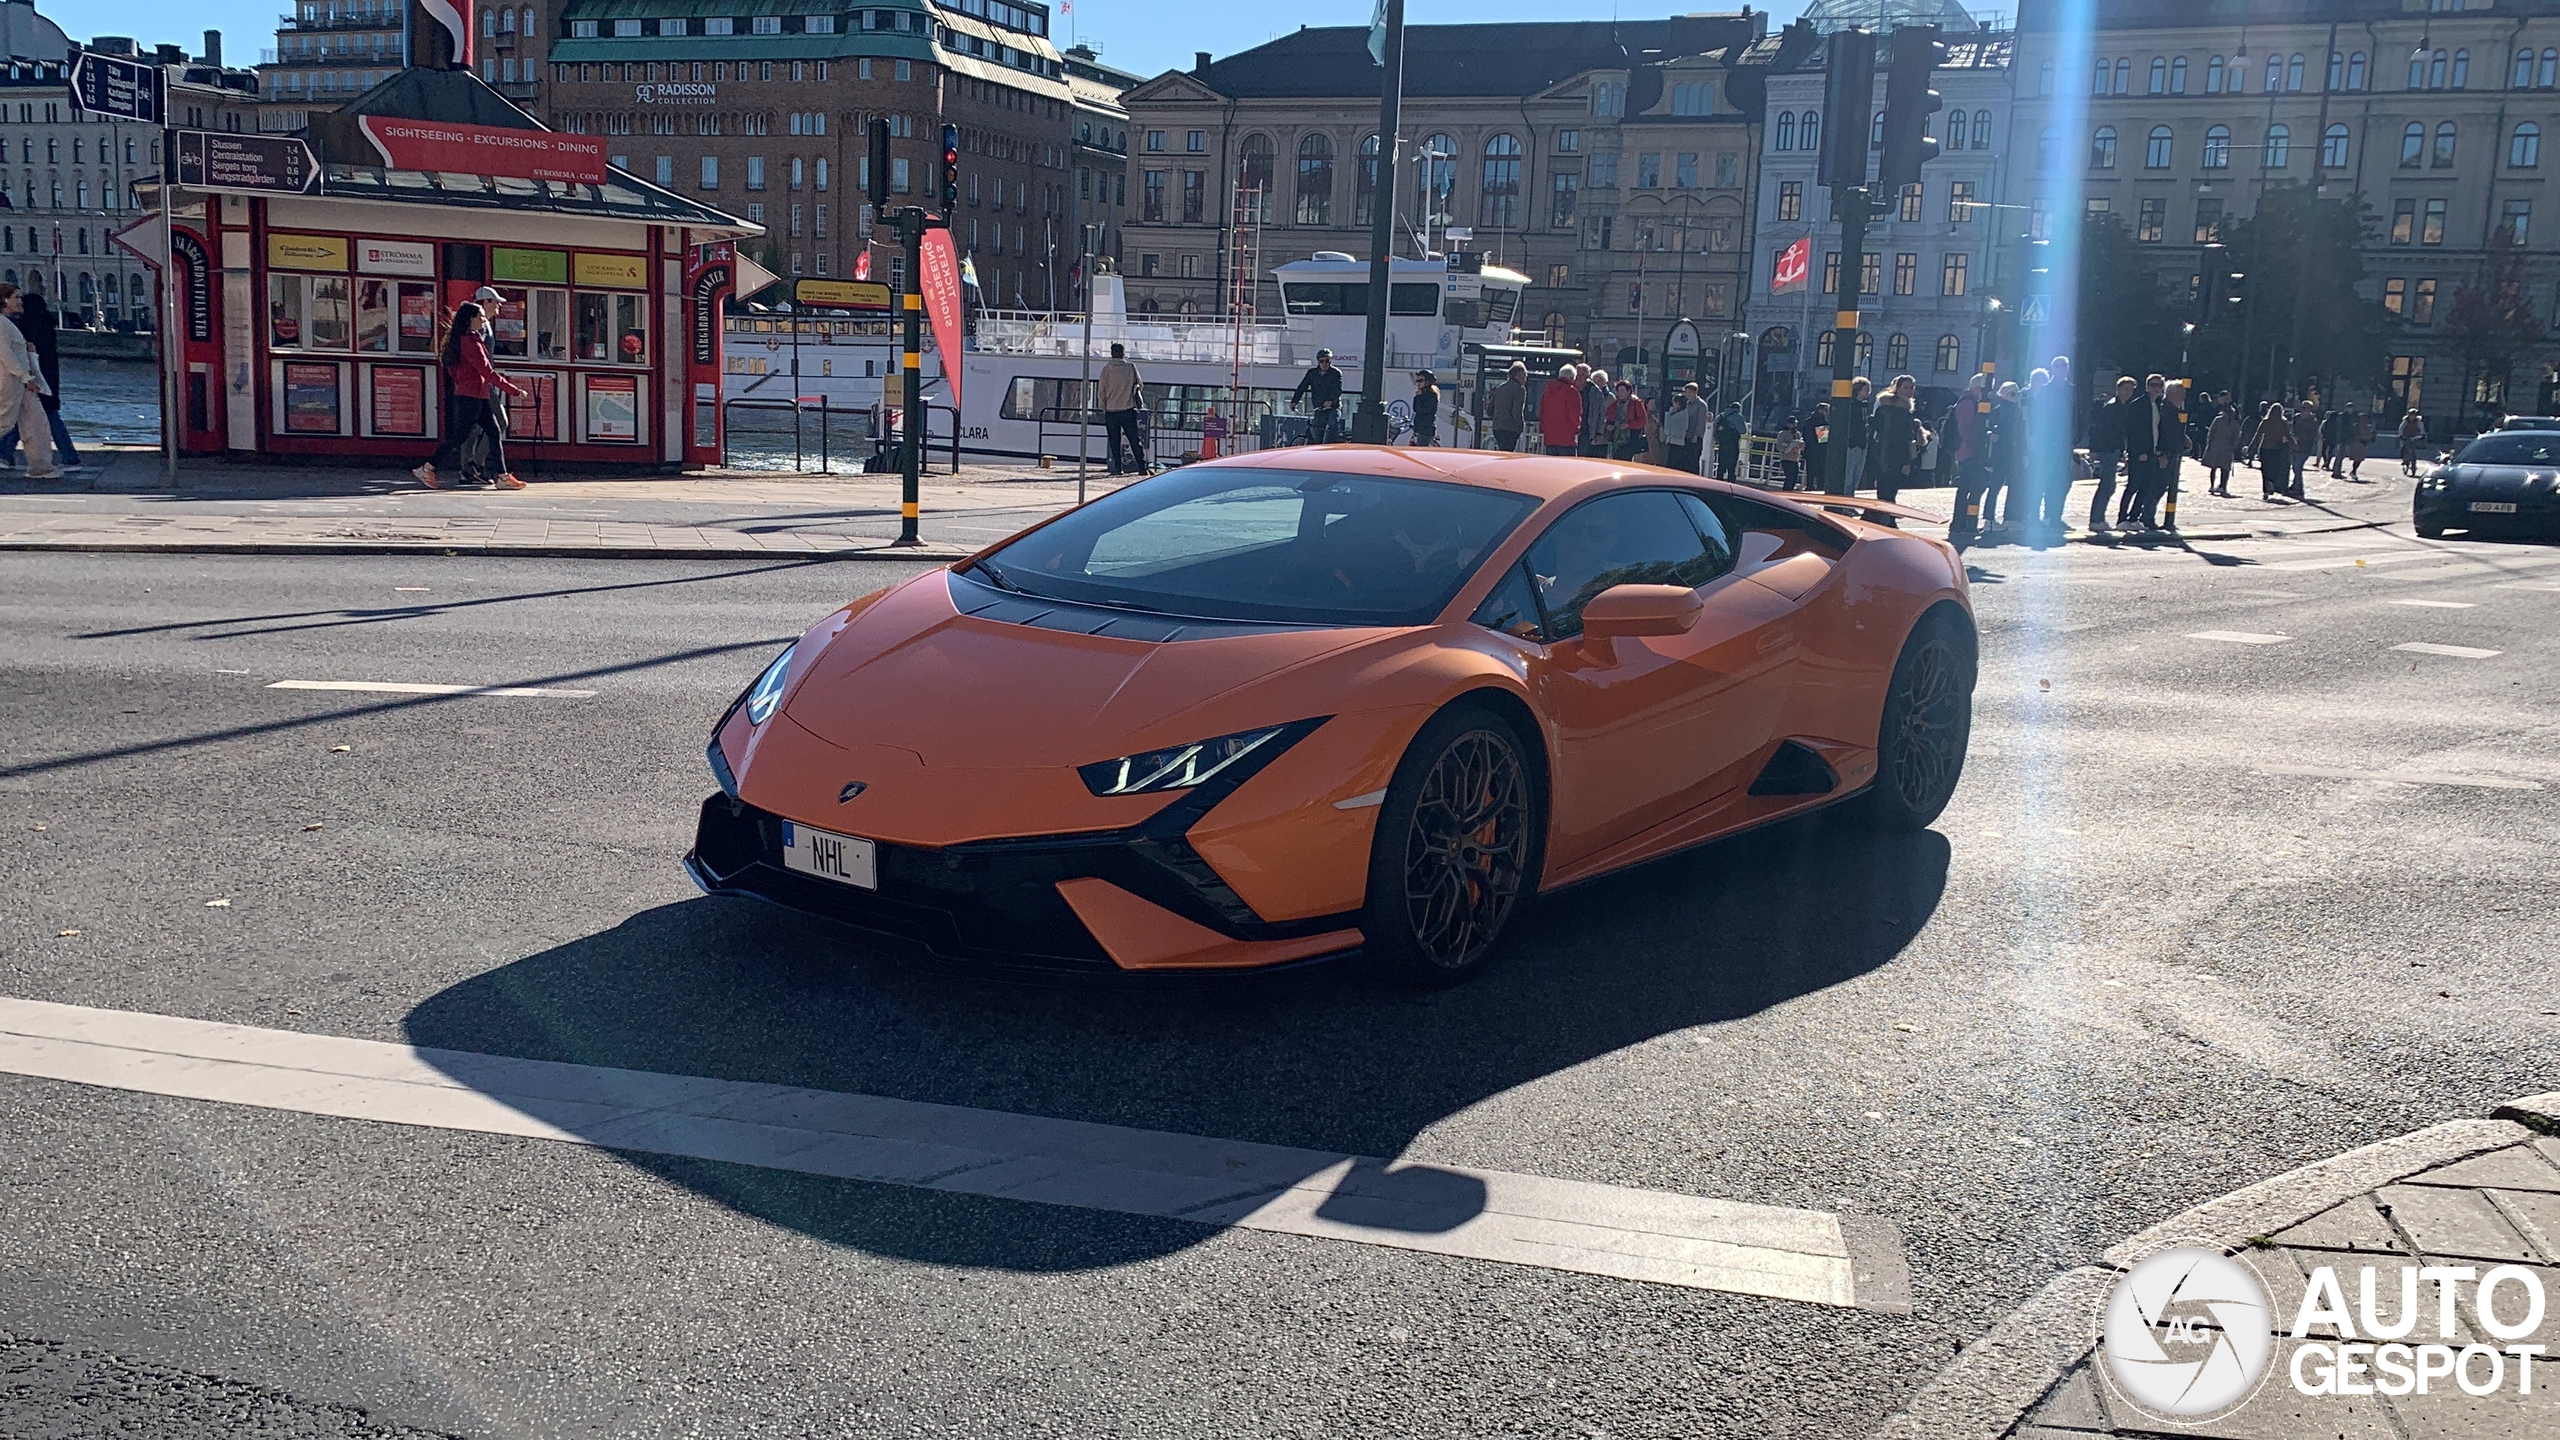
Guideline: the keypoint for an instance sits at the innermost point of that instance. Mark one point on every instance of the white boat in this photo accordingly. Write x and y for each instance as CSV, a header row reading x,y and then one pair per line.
x,y
1025,373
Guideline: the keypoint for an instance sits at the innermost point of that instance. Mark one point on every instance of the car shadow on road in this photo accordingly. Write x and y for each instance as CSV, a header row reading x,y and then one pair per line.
x,y
1327,1059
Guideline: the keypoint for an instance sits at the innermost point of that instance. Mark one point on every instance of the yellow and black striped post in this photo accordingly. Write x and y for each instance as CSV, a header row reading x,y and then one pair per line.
x,y
1848,428
911,223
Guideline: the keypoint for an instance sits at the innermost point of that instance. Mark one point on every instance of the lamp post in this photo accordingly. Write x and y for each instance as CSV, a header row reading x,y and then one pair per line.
x,y
1370,426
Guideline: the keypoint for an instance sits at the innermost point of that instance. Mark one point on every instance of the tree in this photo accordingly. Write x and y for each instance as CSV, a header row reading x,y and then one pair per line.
x,y
2128,321
2491,324
2303,260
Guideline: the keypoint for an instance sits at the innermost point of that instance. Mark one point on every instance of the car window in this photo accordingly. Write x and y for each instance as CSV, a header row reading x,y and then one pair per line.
x,y
1641,537
1711,528
1512,608
1254,544
2512,447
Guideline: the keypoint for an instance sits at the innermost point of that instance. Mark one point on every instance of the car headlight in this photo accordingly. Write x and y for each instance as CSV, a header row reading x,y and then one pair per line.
x,y
766,694
1178,767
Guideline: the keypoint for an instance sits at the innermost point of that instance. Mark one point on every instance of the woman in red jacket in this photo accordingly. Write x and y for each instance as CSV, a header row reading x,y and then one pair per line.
x,y
1560,411
469,374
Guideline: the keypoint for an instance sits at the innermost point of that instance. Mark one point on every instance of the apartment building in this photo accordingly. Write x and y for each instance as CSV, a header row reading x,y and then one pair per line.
x,y
1101,151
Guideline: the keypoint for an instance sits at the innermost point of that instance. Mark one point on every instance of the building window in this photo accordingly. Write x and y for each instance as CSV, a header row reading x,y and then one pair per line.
x,y
2442,157
1950,354
710,172
1609,97
1151,204
1912,196
2124,77
1822,348
2355,71
2422,303
2044,78
1791,200
1315,180
2408,373
2293,73
1786,130
1809,130
2213,76
1196,142
1649,171
1684,170
1954,273
1831,273
1195,196
2461,69
2102,148
2048,145
2524,149
1364,187
1559,276
2208,218
2152,220
1568,186
1498,205
1897,351
1569,141
1960,202
1955,131
2333,148
2159,75
2155,152
2279,148
1155,141
2431,230
2395,296
1871,274
1693,97
2404,217
2515,219
1906,274
2217,148
2178,76
2413,145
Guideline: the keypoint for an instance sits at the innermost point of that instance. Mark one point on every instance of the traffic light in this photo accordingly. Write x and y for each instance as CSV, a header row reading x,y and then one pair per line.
x,y
950,169
880,167
1908,104
1848,99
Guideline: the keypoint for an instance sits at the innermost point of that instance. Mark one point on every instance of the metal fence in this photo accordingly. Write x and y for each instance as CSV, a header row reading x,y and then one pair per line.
x,y
756,433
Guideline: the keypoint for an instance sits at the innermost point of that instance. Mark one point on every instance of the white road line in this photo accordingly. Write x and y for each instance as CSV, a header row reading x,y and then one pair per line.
x,y
1647,1235
2458,652
389,687
2345,562
2239,637
2439,604
2531,585
2395,777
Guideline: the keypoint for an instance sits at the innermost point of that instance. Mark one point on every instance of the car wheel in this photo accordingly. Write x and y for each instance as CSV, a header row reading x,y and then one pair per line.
x,y
1457,845
1928,722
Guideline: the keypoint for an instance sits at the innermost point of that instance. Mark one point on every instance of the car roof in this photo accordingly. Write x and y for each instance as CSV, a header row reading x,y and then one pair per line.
x,y
2530,422
1545,477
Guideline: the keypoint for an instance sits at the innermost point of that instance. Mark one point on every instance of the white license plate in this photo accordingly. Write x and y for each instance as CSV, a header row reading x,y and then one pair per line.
x,y
844,859
2493,507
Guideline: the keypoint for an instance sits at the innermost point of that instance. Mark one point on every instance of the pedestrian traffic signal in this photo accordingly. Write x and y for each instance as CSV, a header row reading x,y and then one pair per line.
x,y
1848,100
880,167
950,170
1908,104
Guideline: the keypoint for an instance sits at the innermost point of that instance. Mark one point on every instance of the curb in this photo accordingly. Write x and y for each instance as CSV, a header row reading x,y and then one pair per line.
x,y
1998,1379
557,552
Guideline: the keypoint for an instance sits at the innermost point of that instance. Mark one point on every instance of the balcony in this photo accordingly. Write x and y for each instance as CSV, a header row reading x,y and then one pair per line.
x,y
520,91
332,59
291,25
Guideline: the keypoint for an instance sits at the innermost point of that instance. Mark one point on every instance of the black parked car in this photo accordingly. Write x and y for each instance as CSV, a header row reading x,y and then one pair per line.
x,y
2503,483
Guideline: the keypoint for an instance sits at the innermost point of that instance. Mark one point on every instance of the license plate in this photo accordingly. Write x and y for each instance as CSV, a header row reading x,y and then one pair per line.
x,y
845,859
2493,507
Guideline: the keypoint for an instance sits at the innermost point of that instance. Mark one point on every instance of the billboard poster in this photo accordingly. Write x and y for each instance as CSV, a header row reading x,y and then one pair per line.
x,y
399,400
311,400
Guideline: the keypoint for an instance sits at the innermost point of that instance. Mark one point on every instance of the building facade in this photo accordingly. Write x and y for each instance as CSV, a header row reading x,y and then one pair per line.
x,y
1928,256
2176,117
69,182
1101,150
766,116
1612,163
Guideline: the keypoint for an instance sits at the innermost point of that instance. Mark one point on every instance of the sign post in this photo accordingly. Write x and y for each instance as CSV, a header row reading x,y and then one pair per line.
x,y
107,87
247,164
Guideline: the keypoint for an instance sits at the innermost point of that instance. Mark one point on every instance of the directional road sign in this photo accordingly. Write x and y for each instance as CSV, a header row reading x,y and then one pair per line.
x,y
216,160
109,88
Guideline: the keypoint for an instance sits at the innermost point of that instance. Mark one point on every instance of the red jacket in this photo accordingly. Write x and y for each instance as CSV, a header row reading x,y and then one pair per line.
x,y
474,375
1560,415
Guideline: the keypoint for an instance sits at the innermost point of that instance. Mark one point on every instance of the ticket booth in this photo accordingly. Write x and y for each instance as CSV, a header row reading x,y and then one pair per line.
x,y
315,320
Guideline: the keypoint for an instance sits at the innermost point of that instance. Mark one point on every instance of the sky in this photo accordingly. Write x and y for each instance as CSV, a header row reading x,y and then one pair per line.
x,y
1146,36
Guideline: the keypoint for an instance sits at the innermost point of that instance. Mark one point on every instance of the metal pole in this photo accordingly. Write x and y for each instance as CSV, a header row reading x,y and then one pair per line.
x,y
172,347
911,453
1084,373
1849,202
1369,427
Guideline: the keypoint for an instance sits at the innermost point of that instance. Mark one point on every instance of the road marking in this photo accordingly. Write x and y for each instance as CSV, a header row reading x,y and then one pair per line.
x,y
2458,652
1806,1255
2342,562
2440,604
2396,777
388,687
2270,594
2530,585
2239,637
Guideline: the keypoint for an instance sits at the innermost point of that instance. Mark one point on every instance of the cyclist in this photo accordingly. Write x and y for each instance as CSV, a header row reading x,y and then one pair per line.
x,y
1319,393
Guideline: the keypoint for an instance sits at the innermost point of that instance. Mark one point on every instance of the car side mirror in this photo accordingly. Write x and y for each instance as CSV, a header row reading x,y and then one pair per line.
x,y
1641,610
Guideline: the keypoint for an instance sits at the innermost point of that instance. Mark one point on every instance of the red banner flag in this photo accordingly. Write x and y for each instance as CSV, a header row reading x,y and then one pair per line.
x,y
484,150
940,283
862,264
1795,264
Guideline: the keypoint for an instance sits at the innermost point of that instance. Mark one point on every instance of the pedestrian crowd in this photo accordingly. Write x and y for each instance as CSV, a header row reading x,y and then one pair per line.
x,y
31,387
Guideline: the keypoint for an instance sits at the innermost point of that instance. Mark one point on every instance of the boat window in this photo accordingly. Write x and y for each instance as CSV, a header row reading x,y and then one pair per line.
x,y
1307,297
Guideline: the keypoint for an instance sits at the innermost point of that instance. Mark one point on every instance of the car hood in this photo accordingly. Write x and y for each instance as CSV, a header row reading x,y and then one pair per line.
x,y
910,671
2501,479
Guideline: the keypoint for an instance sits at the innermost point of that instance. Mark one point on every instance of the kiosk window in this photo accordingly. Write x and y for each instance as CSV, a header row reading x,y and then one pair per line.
x,y
417,318
373,316
307,312
613,329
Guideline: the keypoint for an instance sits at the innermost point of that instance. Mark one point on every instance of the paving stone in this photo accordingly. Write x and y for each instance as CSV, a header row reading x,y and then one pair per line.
x,y
2351,1225
2538,1216
2073,1405
2458,1224
2279,1412
2519,1167
2449,1414
2287,1274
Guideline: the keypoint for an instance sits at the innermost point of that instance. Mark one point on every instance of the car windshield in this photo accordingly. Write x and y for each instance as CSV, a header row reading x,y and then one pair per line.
x,y
2512,447
1278,545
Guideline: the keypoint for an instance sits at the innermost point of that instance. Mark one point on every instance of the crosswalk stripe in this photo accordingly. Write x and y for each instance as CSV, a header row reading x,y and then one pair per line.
x,y
2239,637
1645,1235
2458,652
395,687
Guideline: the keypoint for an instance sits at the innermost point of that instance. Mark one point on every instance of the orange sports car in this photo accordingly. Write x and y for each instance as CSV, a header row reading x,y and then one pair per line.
x,y
1310,701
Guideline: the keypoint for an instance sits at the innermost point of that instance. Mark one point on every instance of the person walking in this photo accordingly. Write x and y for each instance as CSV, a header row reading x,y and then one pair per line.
x,y
1595,413
1895,437
2008,458
1684,430
1849,431
2221,447
1625,422
1506,409
1729,431
1426,408
22,390
1790,456
2306,438
1319,393
1817,446
1119,394
2154,444
1560,412
2274,440
2107,445
2413,433
38,324
470,375
2336,434
2359,444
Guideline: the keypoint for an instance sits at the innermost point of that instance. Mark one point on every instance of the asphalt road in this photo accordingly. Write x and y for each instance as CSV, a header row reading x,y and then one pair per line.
x,y
2144,959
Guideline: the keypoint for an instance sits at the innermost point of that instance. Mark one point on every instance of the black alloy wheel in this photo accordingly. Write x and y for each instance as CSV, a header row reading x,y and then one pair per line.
x,y
1457,845
1928,723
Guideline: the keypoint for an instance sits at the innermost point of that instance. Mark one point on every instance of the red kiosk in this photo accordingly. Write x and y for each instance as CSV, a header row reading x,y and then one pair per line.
x,y
310,322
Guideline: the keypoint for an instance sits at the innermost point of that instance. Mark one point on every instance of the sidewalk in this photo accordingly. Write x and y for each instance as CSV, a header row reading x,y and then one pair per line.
x,y
122,503
2467,1193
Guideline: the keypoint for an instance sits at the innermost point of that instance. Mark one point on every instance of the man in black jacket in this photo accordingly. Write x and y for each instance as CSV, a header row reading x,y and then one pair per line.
x,y
2107,448
2155,438
1320,390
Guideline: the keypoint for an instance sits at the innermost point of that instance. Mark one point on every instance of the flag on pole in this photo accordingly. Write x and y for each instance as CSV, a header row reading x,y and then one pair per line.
x,y
1795,264
969,272
1378,34
862,264
940,284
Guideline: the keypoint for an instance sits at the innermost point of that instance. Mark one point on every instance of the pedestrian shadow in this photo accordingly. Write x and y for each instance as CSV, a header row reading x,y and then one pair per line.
x,y
1325,1059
